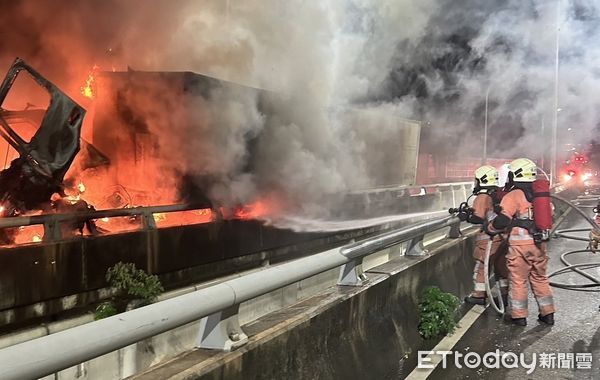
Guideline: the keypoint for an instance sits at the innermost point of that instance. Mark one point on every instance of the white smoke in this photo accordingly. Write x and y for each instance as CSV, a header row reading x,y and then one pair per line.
x,y
427,60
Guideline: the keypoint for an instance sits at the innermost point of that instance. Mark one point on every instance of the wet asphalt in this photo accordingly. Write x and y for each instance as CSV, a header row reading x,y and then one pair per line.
x,y
577,328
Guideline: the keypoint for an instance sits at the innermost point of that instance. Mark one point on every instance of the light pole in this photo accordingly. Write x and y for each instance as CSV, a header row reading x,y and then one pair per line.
x,y
553,174
485,127
543,139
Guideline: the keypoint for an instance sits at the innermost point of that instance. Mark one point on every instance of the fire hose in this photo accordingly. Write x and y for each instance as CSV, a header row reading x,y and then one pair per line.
x,y
499,307
463,212
581,267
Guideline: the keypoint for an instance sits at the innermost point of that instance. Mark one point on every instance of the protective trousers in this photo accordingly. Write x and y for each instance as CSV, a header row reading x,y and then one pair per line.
x,y
528,263
497,259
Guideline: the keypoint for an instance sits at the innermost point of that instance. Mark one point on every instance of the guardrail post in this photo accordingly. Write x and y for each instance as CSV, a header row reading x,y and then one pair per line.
x,y
148,221
453,197
351,274
52,230
454,232
415,247
222,331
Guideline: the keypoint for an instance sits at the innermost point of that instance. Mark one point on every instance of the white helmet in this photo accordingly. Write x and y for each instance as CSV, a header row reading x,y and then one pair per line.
x,y
523,170
503,174
487,176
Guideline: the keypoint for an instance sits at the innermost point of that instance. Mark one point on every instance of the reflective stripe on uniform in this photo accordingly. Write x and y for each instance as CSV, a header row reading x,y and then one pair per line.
x,y
479,287
518,304
520,237
475,273
545,301
503,282
520,231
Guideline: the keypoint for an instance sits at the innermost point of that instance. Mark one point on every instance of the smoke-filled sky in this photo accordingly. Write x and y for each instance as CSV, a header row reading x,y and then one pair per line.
x,y
430,60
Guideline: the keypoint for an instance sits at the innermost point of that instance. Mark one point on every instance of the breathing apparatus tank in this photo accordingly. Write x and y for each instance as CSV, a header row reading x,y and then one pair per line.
x,y
522,172
542,207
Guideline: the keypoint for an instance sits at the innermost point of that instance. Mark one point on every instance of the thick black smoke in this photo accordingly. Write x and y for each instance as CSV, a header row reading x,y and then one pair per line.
x,y
468,47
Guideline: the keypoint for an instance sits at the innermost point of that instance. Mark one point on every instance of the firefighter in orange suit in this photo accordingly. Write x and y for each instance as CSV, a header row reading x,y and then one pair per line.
x,y
527,260
486,186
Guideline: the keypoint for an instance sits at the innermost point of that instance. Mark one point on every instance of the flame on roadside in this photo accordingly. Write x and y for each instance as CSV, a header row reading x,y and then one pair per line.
x,y
87,89
256,210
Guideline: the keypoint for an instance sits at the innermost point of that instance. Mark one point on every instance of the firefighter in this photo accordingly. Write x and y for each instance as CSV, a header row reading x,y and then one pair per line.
x,y
486,187
527,260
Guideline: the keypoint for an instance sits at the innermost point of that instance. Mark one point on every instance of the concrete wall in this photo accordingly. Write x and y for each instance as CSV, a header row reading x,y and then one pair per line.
x,y
162,348
341,332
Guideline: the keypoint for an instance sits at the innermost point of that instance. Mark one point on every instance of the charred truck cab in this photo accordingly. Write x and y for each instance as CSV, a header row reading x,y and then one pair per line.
x,y
34,180
38,172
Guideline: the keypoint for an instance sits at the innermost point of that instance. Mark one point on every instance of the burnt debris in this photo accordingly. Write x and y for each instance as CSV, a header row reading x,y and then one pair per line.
x,y
39,170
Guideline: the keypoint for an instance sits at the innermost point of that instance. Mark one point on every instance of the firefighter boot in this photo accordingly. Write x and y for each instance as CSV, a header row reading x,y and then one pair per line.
x,y
475,300
547,319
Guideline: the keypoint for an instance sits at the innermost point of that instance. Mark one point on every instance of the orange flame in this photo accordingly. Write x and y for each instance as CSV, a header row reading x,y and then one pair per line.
x,y
254,210
160,216
87,90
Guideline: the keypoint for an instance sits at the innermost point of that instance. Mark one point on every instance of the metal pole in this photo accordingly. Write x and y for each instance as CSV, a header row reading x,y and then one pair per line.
x,y
553,174
543,152
485,127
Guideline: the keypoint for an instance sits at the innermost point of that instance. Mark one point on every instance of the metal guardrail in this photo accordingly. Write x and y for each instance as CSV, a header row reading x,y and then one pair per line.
x,y
217,305
51,222
19,221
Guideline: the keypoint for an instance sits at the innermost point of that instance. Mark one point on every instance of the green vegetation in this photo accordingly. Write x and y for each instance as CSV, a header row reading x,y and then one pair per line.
x,y
129,284
439,313
105,310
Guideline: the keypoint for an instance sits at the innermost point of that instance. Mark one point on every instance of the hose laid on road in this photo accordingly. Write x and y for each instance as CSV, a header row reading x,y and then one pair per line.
x,y
578,268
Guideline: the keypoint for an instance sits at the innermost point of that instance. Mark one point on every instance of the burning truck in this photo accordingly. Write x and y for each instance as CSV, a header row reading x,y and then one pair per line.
x,y
154,139
50,166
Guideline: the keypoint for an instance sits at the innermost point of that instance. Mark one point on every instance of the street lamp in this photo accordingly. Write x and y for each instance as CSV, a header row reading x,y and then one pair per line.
x,y
485,127
542,155
553,174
